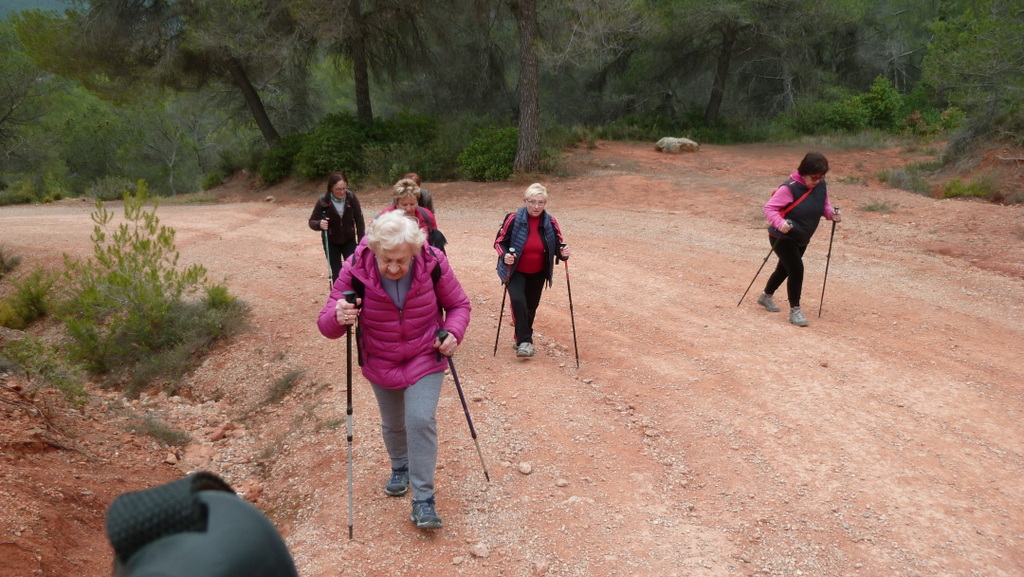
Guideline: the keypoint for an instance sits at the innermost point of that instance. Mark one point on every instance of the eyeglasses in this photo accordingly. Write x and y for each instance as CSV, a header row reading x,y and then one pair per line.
x,y
815,176
536,202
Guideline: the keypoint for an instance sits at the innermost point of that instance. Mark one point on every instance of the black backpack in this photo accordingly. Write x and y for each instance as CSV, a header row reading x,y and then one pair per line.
x,y
435,238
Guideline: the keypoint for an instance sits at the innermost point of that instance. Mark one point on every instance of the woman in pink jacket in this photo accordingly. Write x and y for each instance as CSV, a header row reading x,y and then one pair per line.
x,y
406,292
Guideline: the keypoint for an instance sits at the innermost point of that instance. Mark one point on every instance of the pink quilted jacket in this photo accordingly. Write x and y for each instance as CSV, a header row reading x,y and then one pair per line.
x,y
396,346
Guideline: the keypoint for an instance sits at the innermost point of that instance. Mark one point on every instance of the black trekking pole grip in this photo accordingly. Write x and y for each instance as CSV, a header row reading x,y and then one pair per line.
x,y
443,334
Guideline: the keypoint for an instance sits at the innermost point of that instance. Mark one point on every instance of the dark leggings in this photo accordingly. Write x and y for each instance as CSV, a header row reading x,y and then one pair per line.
x,y
791,266
336,253
524,291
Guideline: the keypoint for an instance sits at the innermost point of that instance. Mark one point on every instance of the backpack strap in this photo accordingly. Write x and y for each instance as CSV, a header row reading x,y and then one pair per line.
x,y
426,219
789,184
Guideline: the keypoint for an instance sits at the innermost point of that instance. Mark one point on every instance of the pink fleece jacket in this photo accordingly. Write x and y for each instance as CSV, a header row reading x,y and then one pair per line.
x,y
397,346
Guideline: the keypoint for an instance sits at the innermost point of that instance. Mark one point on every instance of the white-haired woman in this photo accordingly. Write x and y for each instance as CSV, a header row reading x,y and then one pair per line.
x,y
405,293
527,244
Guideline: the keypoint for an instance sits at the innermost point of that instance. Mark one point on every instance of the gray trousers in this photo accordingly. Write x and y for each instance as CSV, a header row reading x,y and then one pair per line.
x,y
409,427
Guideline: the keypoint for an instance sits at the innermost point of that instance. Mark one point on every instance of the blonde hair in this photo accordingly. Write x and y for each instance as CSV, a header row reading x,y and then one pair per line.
x,y
394,228
405,188
535,189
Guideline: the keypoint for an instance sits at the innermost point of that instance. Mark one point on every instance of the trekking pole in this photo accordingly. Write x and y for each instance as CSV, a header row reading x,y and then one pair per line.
x,y
327,253
770,251
442,334
828,259
572,316
350,296
504,293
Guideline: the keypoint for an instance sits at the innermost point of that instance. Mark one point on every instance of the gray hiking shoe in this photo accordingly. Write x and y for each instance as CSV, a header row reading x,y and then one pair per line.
x,y
766,301
424,515
525,350
398,484
796,316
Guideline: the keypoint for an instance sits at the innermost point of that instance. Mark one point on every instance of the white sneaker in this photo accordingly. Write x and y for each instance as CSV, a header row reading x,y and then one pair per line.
x,y
796,316
525,350
766,301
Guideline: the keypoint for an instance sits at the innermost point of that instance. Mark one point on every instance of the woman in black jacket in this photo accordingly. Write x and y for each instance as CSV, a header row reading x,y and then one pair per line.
x,y
339,219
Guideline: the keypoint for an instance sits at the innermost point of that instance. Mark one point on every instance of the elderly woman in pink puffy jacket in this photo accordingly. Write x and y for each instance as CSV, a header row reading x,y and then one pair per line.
x,y
406,292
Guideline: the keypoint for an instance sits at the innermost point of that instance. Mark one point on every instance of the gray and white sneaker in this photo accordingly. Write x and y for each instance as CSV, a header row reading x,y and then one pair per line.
x,y
796,316
766,301
425,515
398,483
525,350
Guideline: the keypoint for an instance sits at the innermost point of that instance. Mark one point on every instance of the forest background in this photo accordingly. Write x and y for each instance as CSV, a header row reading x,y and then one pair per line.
x,y
97,95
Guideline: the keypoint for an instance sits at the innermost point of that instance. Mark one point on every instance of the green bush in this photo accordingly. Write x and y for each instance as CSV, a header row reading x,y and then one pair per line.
x,y
8,262
21,192
491,156
45,366
110,188
30,299
415,130
277,162
835,110
883,103
336,144
129,311
212,180
957,188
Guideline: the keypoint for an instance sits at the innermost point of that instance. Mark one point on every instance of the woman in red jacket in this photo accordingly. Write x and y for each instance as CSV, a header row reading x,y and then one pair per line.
x,y
407,291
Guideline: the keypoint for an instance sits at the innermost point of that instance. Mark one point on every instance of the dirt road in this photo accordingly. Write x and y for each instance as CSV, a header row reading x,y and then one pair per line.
x,y
697,438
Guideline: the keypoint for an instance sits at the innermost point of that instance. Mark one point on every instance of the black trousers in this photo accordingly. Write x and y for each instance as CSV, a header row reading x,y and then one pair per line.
x,y
336,254
524,290
791,267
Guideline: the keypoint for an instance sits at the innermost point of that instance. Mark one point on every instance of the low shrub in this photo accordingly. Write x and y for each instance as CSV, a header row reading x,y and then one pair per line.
x,y
160,431
277,162
45,366
30,298
491,156
8,262
336,144
956,188
110,188
130,312
18,193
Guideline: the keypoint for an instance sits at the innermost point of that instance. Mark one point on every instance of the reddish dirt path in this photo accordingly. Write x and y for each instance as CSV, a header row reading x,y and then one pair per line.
x,y
697,438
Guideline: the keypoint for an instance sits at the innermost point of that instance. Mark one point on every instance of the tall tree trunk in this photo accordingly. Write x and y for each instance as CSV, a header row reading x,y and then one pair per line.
x,y
721,74
252,99
355,36
528,153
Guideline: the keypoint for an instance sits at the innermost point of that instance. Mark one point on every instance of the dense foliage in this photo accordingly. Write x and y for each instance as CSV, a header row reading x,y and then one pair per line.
x,y
182,94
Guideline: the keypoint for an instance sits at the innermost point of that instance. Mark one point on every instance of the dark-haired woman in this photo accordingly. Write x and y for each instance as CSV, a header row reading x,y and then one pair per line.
x,y
793,214
338,218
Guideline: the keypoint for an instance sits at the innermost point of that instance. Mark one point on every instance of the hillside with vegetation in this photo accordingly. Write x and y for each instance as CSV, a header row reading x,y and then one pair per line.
x,y
185,94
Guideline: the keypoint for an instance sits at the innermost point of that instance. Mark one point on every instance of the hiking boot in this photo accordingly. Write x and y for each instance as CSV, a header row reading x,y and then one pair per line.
x,y
424,514
796,316
398,484
525,350
766,301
